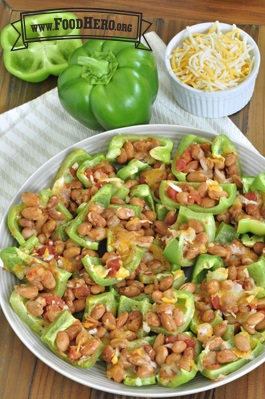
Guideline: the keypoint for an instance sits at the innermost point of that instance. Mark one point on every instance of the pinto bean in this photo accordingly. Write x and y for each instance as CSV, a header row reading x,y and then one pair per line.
x,y
31,213
30,199
196,177
242,342
62,341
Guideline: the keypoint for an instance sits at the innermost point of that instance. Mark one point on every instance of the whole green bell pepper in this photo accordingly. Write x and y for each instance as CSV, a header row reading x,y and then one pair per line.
x,y
223,203
61,323
109,84
160,153
39,59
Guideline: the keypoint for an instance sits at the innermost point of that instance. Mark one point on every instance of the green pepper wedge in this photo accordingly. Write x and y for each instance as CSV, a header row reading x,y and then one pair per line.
x,y
101,273
87,166
39,59
143,191
61,323
203,265
109,84
222,146
184,301
225,233
101,198
227,368
223,204
172,376
160,153
132,169
36,323
251,225
174,250
67,172
178,165
16,262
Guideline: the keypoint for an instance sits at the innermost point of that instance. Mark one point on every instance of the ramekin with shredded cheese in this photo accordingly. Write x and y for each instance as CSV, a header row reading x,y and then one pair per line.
x,y
214,68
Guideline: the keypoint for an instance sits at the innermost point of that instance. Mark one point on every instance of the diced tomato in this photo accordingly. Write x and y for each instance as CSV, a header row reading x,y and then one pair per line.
x,y
54,300
88,173
172,193
182,162
251,196
114,265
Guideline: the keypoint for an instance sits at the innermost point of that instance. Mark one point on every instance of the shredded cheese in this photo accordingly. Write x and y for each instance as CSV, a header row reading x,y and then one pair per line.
x,y
214,60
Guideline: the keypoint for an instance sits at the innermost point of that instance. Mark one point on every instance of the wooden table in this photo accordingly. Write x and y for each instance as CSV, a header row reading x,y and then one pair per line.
x,y
22,375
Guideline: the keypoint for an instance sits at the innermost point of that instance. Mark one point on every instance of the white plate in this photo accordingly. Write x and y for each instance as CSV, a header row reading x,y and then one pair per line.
x,y
95,377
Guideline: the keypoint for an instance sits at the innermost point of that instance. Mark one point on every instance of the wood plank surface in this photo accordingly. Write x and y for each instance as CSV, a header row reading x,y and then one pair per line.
x,y
22,375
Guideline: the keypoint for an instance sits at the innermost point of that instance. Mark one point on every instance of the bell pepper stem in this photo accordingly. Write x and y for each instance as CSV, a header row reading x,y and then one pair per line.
x,y
99,68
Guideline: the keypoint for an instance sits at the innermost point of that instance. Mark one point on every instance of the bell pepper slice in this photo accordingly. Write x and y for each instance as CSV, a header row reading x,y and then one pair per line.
x,y
247,182
258,183
109,84
257,271
12,222
179,162
203,265
160,153
38,60
135,349
249,240
216,372
106,298
184,301
250,225
132,169
150,278
129,305
223,203
143,191
35,323
174,250
61,323
67,172
117,269
226,233
101,198
16,262
84,171
222,146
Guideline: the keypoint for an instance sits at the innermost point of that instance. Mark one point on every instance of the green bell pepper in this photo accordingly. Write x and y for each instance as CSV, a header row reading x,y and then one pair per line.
x,y
101,198
173,375
106,298
12,222
132,169
222,146
203,265
257,271
61,323
250,225
167,188
225,233
181,156
178,276
109,84
129,305
84,172
67,172
35,323
17,262
39,59
218,371
249,240
258,183
115,270
160,153
182,300
174,250
143,191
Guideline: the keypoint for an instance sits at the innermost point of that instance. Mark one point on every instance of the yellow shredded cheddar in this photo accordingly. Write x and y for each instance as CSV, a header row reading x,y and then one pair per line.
x,y
214,60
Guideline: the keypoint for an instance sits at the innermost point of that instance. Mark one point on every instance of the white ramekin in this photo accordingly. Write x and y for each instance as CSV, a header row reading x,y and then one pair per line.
x,y
212,104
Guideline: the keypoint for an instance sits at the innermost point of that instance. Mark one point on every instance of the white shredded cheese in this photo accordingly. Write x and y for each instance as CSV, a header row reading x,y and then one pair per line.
x,y
214,60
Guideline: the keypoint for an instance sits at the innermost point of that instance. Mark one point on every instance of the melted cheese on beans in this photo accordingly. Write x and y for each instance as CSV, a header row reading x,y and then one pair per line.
x,y
213,61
